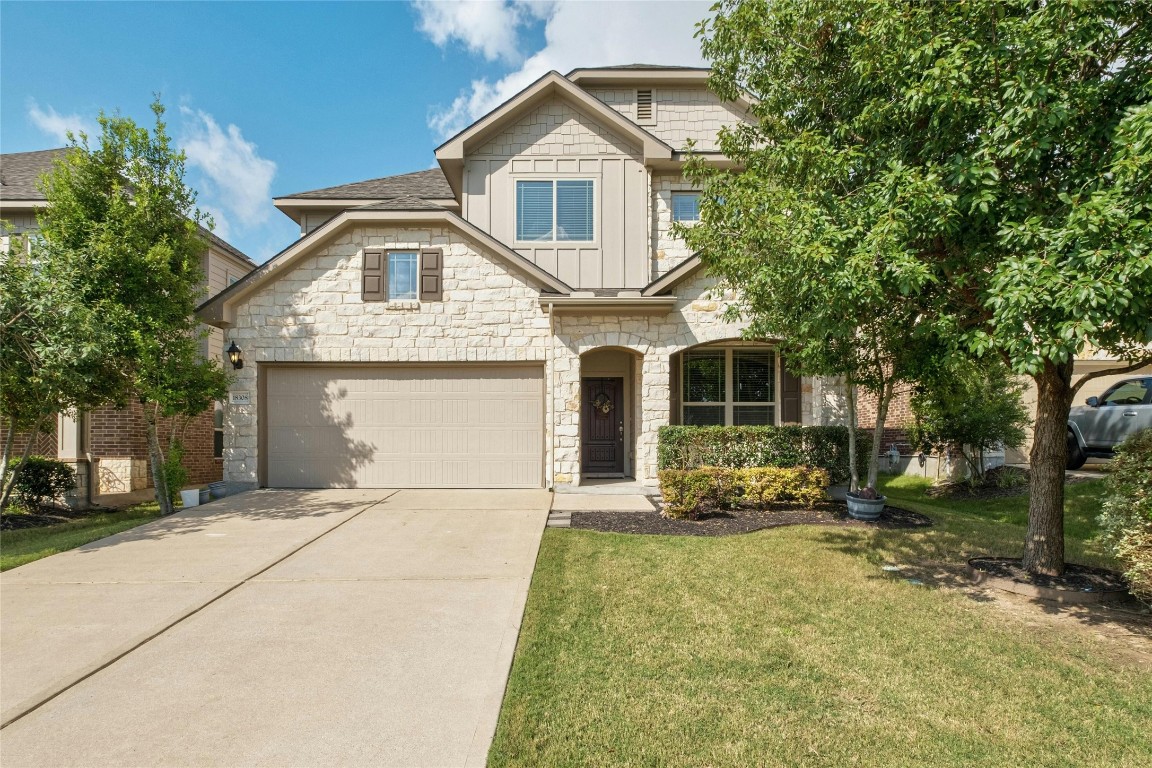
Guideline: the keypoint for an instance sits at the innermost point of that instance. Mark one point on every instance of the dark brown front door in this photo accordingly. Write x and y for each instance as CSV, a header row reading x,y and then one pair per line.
x,y
602,409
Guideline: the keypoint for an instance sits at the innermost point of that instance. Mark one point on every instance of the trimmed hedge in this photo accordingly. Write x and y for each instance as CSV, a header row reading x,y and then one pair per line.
x,y
1127,515
681,447
687,492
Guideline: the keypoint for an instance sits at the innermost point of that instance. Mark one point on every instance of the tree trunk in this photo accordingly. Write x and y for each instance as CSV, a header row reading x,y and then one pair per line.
x,y
878,432
14,475
853,472
1044,545
9,439
156,459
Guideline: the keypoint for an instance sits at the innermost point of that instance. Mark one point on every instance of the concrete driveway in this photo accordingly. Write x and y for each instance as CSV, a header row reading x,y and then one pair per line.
x,y
275,628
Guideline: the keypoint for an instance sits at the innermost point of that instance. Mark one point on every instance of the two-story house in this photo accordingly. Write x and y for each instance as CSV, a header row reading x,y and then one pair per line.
x,y
109,446
518,316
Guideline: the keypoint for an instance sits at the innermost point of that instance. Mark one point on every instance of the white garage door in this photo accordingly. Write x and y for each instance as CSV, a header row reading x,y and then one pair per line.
x,y
471,426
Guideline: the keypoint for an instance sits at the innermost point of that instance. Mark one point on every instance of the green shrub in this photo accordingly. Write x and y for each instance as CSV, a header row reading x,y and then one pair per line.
x,y
41,481
174,471
1127,515
688,493
683,447
765,485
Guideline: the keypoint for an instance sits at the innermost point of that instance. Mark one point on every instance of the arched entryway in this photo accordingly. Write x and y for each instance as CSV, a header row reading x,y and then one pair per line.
x,y
609,412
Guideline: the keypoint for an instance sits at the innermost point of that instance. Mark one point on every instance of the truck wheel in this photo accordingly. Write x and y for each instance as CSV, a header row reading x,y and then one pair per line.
x,y
1076,457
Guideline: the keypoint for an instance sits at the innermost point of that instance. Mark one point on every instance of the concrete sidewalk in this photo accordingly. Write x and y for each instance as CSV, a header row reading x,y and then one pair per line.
x,y
367,629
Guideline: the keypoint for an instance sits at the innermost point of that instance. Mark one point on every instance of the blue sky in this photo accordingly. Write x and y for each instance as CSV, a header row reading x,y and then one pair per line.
x,y
271,98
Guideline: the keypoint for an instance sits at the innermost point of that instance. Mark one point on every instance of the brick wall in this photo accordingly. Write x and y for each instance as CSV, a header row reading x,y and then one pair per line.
x,y
895,426
123,433
45,442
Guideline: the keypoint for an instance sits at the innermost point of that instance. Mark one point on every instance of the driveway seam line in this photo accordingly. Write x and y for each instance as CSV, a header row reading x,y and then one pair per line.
x,y
189,614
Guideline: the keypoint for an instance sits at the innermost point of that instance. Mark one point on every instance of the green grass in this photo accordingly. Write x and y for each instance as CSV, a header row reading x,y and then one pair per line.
x,y
791,647
25,545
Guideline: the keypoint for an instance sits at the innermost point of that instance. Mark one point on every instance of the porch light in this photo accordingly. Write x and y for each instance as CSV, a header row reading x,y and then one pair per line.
x,y
235,356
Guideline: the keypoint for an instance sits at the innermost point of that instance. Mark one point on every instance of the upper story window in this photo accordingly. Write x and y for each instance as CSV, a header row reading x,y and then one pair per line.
x,y
734,386
402,275
555,210
685,206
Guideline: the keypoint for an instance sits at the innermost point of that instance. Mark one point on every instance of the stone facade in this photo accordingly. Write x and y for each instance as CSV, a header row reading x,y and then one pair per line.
x,y
556,128
668,252
681,114
315,314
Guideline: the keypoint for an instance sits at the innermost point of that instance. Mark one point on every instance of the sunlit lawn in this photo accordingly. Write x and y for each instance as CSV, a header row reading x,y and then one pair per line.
x,y
24,545
792,647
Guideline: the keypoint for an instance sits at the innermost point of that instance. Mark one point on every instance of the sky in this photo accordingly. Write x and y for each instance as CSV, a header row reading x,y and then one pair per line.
x,y
271,98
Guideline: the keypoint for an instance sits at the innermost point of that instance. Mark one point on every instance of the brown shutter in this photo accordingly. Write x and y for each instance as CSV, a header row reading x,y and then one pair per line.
x,y
431,274
674,388
372,275
789,397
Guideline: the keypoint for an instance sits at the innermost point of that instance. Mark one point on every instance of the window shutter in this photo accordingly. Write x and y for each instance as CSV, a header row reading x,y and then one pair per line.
x,y
431,274
674,388
372,276
789,397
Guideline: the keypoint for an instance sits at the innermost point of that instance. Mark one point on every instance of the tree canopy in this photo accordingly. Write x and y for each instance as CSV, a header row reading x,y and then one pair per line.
x,y
988,161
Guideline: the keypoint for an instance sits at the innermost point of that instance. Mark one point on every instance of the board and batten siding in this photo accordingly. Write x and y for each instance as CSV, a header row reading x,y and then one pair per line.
x,y
555,140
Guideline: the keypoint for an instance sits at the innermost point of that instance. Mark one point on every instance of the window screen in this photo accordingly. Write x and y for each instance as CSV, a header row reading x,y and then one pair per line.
x,y
686,206
560,210
574,210
533,210
401,276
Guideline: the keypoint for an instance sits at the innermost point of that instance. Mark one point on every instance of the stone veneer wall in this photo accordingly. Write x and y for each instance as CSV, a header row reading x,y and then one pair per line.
x,y
667,251
681,114
315,314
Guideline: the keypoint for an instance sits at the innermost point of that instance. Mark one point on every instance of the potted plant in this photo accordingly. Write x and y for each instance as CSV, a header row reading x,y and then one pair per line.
x,y
865,504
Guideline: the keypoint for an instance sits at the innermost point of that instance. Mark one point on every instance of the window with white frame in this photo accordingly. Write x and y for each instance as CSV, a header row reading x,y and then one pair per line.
x,y
402,275
685,206
555,210
218,431
729,386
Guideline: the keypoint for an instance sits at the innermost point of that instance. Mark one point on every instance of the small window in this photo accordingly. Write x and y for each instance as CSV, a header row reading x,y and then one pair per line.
x,y
402,276
685,206
552,211
218,431
232,280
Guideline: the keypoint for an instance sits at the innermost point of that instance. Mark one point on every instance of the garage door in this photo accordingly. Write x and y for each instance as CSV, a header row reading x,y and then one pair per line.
x,y
404,427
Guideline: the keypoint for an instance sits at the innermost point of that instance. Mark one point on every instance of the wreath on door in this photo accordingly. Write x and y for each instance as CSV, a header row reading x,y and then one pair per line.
x,y
603,403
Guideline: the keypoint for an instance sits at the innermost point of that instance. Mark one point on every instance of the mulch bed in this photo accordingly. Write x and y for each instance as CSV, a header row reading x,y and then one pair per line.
x,y
741,520
44,516
1076,578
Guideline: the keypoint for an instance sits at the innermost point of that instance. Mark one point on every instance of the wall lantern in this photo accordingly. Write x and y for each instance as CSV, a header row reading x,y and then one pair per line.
x,y
235,356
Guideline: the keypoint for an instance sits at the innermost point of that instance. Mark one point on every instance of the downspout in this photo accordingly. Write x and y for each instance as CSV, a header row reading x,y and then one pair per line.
x,y
550,395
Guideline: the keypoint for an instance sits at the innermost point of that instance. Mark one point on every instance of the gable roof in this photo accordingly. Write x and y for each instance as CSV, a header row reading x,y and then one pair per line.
x,y
451,153
429,184
20,173
220,309
669,279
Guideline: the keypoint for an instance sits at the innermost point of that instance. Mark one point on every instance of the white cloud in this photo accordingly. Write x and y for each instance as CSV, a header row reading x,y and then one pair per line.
x,y
238,181
578,33
488,27
58,126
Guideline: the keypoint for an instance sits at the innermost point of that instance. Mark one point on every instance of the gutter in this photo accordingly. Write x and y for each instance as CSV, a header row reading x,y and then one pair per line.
x,y
549,394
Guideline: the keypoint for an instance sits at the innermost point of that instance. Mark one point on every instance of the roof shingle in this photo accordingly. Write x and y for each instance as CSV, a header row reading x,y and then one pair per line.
x,y
429,185
20,172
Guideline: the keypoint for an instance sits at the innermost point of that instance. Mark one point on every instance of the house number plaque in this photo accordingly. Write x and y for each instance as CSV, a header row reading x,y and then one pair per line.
x,y
240,398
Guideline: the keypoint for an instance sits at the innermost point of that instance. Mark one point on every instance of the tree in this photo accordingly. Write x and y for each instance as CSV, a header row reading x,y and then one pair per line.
x,y
122,209
974,405
995,158
56,353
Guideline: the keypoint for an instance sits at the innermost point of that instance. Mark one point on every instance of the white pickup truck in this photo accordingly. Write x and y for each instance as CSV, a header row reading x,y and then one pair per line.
x,y
1095,429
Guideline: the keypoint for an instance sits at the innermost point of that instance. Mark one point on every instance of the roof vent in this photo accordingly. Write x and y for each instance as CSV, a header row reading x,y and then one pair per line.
x,y
645,107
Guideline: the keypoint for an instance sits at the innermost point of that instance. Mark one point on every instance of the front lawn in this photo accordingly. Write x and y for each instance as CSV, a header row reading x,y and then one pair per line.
x,y
793,647
23,545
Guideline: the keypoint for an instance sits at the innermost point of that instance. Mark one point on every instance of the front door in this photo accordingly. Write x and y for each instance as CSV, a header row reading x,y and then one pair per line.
x,y
602,416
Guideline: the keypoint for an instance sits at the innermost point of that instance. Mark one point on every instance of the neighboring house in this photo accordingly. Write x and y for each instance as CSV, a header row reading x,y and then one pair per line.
x,y
109,446
519,316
